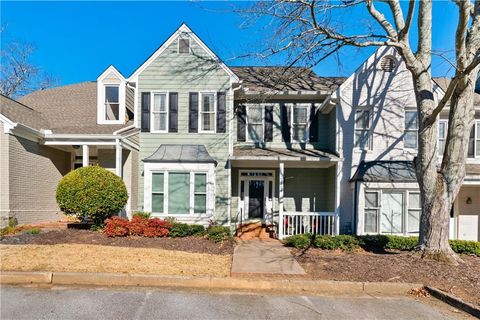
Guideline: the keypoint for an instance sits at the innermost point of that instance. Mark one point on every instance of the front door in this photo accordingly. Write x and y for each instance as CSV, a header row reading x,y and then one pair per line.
x,y
256,199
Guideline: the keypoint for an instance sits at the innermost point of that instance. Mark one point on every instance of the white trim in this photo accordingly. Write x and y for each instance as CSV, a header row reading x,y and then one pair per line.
x,y
243,204
200,102
167,101
369,129
101,85
307,124
405,130
192,168
8,124
183,29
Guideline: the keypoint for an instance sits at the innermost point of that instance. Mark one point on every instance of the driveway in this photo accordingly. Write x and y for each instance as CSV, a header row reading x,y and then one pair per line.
x,y
144,303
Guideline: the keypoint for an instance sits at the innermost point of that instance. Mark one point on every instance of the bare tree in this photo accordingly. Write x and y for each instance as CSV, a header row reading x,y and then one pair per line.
x,y
306,32
18,76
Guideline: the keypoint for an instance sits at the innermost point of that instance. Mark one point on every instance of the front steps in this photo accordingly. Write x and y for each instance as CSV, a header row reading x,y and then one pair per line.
x,y
255,230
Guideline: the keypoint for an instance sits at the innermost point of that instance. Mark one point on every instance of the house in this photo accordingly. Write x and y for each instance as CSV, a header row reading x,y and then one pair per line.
x,y
201,141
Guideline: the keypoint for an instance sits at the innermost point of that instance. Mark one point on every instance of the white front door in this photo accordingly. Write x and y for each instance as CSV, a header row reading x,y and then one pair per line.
x,y
391,212
256,192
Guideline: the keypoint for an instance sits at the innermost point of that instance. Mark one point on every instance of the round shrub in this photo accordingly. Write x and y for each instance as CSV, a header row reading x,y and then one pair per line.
x,y
219,233
300,241
91,192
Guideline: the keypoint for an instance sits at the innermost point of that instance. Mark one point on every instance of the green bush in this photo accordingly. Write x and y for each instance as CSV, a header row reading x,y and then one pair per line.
x,y
219,233
401,243
186,230
301,241
91,192
197,230
465,247
33,231
141,214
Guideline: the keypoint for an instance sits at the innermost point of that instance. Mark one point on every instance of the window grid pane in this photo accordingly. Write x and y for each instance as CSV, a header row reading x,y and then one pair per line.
x,y
207,112
179,193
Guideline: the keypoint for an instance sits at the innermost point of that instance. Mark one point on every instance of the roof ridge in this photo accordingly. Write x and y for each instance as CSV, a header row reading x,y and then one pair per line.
x,y
20,103
57,88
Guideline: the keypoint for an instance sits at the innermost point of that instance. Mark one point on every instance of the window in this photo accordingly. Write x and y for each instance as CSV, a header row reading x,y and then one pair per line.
x,y
410,139
255,123
362,129
207,112
300,123
371,212
388,64
414,209
200,193
474,141
157,192
477,139
159,112
442,136
112,103
183,45
178,193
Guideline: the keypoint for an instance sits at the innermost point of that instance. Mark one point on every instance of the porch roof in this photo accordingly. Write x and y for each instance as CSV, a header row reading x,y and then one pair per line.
x,y
385,171
286,155
185,153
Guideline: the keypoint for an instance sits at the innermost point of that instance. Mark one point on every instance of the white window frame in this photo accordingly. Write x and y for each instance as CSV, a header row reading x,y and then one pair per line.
x,y
189,45
369,129
377,208
247,120
405,130
191,168
407,206
477,139
200,112
444,139
307,124
167,102
103,104
193,193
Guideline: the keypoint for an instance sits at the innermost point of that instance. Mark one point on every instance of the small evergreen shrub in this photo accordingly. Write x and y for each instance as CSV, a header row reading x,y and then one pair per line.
x,y
34,230
141,214
186,230
219,233
301,241
91,192
401,243
197,230
466,247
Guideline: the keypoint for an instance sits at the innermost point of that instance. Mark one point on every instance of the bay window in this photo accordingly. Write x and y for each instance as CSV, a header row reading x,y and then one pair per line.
x,y
159,116
372,209
200,193
207,112
362,128
157,192
410,139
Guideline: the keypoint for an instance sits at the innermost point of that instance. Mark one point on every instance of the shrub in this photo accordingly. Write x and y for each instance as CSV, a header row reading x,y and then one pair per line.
x,y
34,230
137,225
91,192
218,233
466,247
185,230
156,228
197,230
401,243
301,241
116,227
7,230
141,214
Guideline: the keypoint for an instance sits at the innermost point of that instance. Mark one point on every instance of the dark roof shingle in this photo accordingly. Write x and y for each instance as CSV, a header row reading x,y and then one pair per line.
x,y
385,171
183,153
18,112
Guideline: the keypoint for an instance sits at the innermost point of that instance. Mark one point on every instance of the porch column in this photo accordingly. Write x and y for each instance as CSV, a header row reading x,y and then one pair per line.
x,y
118,157
280,199
85,156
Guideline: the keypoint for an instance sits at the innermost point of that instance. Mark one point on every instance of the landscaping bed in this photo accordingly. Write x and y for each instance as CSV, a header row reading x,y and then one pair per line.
x,y
462,281
195,244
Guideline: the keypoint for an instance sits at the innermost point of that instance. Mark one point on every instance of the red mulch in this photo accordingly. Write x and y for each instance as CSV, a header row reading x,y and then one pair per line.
x,y
462,281
189,244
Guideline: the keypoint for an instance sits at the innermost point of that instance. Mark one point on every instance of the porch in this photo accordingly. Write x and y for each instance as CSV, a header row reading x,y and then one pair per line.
x,y
288,191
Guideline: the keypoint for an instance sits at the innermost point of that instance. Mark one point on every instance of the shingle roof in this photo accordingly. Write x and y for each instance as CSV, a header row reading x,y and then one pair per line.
x,y
385,171
70,109
18,112
443,83
261,79
184,153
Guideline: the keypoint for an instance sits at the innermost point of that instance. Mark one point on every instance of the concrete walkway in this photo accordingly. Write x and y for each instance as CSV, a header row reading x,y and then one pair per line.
x,y
267,257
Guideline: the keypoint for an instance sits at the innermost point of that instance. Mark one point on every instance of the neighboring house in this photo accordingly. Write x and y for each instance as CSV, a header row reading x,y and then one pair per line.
x,y
200,141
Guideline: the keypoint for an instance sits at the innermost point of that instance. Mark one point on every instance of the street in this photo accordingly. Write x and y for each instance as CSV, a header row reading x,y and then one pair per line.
x,y
147,303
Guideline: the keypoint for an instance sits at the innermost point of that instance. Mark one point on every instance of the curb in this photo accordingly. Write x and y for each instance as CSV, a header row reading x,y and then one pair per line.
x,y
454,301
139,280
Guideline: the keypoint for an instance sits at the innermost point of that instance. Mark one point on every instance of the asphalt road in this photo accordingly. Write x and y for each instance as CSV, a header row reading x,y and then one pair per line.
x,y
144,303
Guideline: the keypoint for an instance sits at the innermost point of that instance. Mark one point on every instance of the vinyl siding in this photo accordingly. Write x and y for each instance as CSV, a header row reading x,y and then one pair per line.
x,y
184,73
4,177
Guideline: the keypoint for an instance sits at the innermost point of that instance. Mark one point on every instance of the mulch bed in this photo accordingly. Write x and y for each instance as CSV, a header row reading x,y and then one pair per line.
x,y
188,244
462,281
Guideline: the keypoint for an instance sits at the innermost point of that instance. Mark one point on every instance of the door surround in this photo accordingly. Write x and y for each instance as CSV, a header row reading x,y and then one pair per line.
x,y
268,177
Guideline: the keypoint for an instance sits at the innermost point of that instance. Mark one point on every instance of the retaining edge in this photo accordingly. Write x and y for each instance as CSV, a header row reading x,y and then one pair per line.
x,y
454,301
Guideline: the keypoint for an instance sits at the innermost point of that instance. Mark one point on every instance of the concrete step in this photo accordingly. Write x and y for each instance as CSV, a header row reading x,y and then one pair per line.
x,y
255,230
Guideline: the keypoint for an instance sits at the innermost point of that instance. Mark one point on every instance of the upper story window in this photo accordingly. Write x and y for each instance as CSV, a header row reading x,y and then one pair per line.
x,y
410,137
183,45
255,121
474,141
112,103
388,64
362,128
442,136
159,116
299,127
207,112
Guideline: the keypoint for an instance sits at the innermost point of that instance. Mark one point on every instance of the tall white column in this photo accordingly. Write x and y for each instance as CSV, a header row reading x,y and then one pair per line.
x,y
280,199
118,157
85,156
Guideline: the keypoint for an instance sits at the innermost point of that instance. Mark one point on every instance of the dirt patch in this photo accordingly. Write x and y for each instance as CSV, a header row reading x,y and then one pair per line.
x,y
95,258
188,244
395,266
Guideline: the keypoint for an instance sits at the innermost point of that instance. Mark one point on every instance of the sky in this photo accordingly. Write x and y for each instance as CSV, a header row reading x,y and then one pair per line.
x,y
77,41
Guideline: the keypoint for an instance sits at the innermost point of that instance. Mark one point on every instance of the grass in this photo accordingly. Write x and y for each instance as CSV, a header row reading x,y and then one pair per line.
x,y
95,258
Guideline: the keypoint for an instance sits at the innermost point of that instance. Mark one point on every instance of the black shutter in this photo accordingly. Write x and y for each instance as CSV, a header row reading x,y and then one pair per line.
x,y
221,112
241,123
268,124
193,112
173,112
285,117
313,132
145,125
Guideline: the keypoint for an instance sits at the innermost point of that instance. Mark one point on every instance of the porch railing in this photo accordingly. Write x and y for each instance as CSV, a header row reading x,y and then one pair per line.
x,y
321,223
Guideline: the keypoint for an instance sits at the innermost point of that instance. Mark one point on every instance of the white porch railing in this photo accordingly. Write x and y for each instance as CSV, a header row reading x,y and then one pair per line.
x,y
321,223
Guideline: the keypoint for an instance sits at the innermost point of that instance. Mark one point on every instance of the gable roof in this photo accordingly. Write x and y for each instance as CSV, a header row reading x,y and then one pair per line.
x,y
280,78
183,29
20,113
70,109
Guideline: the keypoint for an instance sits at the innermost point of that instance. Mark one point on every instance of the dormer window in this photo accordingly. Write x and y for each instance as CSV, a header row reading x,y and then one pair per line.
x,y
183,45
112,103
388,64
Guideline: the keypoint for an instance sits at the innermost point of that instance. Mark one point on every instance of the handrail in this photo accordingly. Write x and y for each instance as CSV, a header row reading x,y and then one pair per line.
x,y
300,213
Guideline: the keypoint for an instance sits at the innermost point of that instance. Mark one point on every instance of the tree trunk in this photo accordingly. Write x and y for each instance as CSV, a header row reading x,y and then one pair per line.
x,y
440,187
